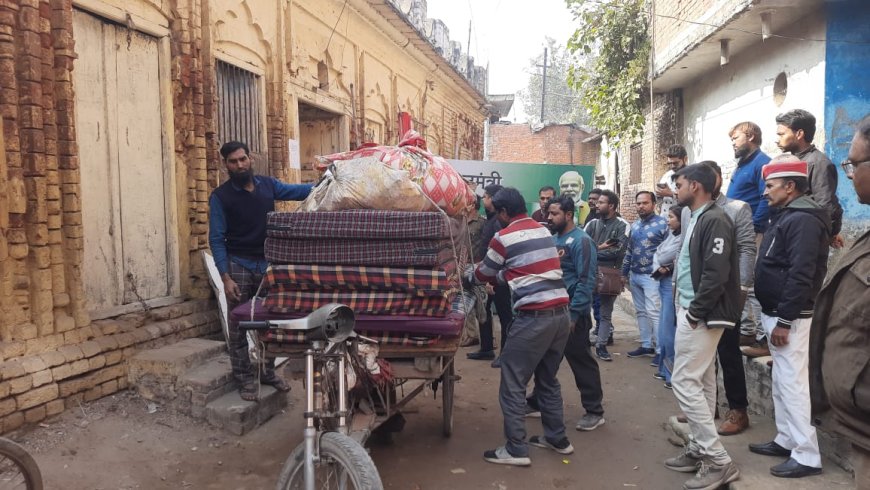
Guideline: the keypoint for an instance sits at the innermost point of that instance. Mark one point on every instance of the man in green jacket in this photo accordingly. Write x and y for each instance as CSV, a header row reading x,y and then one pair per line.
x,y
839,363
708,297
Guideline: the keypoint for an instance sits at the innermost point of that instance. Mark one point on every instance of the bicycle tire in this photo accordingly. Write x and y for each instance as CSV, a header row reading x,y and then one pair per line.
x,y
448,385
335,449
17,467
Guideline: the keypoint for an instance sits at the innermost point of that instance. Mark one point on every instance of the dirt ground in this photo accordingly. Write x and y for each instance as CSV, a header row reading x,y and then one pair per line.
x,y
123,442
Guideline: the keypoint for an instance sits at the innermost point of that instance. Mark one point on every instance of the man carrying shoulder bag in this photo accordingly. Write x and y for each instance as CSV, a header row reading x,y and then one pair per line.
x,y
610,233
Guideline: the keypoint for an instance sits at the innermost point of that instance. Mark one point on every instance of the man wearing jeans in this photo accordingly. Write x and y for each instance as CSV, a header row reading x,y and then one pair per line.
x,y
609,232
645,236
708,295
789,274
523,254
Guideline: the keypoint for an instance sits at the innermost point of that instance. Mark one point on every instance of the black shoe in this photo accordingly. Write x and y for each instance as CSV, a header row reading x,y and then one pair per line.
x,y
601,353
793,469
769,449
481,355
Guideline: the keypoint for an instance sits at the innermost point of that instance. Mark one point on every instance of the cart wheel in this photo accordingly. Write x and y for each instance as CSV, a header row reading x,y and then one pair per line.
x,y
448,379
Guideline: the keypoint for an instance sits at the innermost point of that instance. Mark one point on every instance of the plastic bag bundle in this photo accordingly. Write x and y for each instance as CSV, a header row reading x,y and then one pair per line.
x,y
366,183
438,179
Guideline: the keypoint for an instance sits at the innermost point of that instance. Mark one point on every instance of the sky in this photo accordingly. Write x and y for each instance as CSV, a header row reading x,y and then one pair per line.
x,y
507,34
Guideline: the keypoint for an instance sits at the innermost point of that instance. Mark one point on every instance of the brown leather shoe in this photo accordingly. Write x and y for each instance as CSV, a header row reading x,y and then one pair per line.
x,y
736,421
756,350
746,340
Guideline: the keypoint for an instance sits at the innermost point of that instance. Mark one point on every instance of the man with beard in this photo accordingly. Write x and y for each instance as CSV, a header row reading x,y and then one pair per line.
x,y
594,194
708,297
748,186
545,194
796,130
579,261
677,157
237,231
523,255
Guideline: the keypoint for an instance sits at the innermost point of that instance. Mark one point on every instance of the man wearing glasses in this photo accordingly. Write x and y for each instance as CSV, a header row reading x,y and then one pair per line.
x,y
839,367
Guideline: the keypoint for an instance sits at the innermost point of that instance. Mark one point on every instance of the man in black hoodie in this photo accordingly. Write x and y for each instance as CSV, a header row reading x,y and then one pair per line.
x,y
502,296
789,272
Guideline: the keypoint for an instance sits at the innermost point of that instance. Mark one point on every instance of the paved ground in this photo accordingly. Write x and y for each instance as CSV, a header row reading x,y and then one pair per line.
x,y
116,444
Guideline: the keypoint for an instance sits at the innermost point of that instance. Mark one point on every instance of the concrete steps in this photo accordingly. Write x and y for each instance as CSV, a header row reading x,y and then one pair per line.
x,y
194,377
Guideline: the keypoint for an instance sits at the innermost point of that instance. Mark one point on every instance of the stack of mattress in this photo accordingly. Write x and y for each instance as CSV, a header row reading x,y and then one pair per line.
x,y
397,270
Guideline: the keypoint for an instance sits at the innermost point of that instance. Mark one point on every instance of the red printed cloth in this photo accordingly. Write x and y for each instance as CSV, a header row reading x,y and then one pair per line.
x,y
418,282
387,253
438,179
361,224
281,299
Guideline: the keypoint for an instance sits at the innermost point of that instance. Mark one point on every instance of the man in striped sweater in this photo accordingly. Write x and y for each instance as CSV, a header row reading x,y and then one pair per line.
x,y
523,255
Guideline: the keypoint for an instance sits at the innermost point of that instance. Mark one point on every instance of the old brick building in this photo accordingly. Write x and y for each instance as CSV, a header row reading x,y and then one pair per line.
x,y
553,143
112,114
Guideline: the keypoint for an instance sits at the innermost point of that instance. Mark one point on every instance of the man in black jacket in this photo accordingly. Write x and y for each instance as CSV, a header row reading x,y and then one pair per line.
x,y
708,295
789,272
502,296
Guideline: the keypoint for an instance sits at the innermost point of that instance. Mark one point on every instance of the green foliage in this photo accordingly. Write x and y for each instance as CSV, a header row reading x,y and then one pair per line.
x,y
613,84
563,103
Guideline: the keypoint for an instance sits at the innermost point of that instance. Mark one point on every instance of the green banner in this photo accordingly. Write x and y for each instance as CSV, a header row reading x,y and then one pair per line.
x,y
528,178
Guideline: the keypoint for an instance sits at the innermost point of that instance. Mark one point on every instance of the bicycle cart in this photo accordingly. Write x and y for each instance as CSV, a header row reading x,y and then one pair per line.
x,y
412,355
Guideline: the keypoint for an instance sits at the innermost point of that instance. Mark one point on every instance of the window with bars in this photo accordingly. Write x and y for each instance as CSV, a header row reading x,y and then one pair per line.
x,y
239,106
636,163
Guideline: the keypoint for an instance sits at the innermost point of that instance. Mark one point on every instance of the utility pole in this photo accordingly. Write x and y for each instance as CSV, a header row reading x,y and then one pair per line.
x,y
468,54
544,86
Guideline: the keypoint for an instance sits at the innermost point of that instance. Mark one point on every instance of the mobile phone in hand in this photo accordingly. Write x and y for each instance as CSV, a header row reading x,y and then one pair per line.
x,y
612,242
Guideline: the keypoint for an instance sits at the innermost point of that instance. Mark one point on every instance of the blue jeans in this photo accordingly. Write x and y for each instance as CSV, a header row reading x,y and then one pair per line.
x,y
596,309
667,327
645,294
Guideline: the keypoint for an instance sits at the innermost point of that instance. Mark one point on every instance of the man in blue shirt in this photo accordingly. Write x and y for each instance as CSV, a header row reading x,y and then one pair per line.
x,y
237,231
645,236
579,261
747,185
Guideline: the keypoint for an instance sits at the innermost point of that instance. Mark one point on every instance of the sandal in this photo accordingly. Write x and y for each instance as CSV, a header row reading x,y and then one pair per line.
x,y
278,383
249,392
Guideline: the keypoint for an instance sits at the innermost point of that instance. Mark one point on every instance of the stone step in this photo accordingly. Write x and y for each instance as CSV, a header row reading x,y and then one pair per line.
x,y
206,383
153,373
238,416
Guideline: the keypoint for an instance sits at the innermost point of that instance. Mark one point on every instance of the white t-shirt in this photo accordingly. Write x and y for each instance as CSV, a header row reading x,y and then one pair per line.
x,y
667,202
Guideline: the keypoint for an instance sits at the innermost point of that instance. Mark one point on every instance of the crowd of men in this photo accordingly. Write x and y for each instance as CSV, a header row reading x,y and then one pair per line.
x,y
707,273
710,274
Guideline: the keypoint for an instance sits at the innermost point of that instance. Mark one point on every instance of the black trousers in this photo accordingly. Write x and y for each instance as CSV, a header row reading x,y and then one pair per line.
x,y
733,375
587,376
503,308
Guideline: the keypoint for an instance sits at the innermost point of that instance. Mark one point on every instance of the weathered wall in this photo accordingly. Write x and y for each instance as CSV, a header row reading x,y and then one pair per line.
x,y
743,90
672,37
558,143
847,98
52,355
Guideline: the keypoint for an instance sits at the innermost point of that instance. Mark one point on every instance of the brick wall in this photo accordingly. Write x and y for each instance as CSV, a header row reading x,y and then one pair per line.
x,y
660,131
672,35
52,356
553,144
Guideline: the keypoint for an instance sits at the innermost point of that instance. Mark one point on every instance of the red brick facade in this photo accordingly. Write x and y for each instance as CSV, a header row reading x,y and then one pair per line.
x,y
558,143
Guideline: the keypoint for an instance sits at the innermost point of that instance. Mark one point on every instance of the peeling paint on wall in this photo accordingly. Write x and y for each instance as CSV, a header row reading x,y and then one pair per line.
x,y
847,97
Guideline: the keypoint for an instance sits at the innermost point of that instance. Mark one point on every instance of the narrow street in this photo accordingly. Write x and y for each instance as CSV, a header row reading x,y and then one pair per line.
x,y
166,451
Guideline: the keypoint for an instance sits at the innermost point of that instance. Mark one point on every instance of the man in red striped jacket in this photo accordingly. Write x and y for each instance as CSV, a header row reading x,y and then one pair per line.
x,y
523,255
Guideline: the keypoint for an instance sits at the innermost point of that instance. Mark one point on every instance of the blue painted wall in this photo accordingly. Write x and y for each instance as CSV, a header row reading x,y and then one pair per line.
x,y
847,96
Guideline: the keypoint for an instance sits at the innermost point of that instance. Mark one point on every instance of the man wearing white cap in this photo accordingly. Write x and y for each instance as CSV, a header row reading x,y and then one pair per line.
x,y
789,272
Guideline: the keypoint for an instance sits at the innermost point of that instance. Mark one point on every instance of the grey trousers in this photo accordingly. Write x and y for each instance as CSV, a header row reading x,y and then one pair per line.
x,y
605,328
536,342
